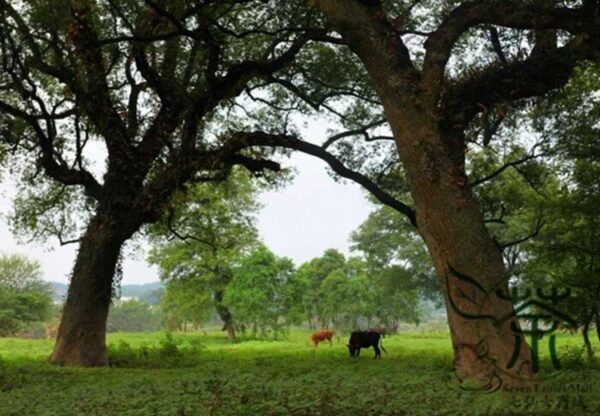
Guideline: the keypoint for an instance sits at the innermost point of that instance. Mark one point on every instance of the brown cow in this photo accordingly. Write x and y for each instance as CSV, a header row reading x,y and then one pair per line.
x,y
380,330
52,330
321,336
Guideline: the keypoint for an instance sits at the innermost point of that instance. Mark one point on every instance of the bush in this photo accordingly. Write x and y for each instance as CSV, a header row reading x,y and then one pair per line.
x,y
573,357
169,353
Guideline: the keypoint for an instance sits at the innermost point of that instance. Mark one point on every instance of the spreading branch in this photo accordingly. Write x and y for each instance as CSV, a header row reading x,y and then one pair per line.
x,y
242,140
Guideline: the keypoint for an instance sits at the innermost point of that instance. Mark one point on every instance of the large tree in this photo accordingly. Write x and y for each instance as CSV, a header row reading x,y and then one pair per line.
x,y
258,289
200,241
407,48
145,79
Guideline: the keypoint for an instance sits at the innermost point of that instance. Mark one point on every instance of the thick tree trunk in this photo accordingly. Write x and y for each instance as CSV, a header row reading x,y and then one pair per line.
x,y
225,315
81,339
488,346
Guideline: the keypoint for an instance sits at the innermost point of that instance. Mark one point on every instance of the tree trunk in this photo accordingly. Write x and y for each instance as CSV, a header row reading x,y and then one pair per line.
x,y
488,345
81,339
586,340
225,315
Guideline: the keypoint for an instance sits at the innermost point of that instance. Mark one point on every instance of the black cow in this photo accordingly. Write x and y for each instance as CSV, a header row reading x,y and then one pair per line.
x,y
364,339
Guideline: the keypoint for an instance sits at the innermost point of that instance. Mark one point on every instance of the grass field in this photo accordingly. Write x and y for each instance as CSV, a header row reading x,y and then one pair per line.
x,y
198,374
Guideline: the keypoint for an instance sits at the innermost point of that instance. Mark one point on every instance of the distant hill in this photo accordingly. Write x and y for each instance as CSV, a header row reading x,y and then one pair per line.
x,y
60,291
148,292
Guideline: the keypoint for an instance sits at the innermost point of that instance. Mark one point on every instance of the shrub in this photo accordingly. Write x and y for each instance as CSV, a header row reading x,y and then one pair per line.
x,y
169,353
573,356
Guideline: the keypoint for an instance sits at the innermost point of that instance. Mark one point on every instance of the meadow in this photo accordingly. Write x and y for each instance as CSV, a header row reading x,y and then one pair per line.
x,y
203,374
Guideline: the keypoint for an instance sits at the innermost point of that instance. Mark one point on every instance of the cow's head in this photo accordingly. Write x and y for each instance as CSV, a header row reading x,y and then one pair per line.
x,y
352,350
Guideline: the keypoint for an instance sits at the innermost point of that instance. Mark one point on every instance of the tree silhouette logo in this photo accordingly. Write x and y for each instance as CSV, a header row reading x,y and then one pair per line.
x,y
538,307
537,310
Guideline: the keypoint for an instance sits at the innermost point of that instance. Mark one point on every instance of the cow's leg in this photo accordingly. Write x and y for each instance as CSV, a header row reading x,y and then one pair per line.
x,y
377,351
358,352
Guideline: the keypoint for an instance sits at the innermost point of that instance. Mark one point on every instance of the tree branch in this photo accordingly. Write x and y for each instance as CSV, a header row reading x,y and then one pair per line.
x,y
502,168
95,93
242,140
58,171
368,32
538,226
507,13
535,76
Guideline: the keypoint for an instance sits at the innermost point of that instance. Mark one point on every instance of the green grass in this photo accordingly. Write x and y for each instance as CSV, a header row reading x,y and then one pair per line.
x,y
206,375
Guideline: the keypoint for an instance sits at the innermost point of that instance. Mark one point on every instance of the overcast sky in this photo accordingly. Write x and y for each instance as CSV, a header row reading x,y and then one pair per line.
x,y
300,221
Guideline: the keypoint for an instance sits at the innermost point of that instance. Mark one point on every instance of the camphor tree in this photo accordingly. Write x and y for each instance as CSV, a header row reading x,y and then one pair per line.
x,y
398,264
144,80
200,241
257,291
24,297
406,48
147,78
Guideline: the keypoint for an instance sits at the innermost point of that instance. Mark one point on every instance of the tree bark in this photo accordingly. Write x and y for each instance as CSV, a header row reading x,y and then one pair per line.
x,y
81,339
225,315
586,340
597,318
488,346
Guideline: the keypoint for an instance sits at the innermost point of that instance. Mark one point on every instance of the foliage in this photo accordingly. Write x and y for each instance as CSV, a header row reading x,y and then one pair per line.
x,y
24,298
310,276
170,352
183,304
133,316
398,264
257,292
213,226
272,377
567,253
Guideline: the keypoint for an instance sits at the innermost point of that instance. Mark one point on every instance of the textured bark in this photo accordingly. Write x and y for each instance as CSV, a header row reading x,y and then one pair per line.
x,y
468,262
585,332
225,315
81,337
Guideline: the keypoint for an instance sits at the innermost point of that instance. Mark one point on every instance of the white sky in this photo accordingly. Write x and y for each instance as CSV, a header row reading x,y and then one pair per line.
x,y
300,221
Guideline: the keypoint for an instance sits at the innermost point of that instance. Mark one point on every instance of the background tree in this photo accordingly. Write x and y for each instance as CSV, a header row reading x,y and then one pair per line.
x,y
133,316
24,297
183,304
311,275
256,293
210,229
399,265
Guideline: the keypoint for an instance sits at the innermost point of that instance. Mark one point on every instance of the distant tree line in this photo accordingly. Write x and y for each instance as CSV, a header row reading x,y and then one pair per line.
x,y
25,300
214,261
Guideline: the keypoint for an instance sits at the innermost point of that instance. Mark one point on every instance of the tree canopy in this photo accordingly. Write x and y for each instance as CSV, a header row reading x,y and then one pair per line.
x,y
24,297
